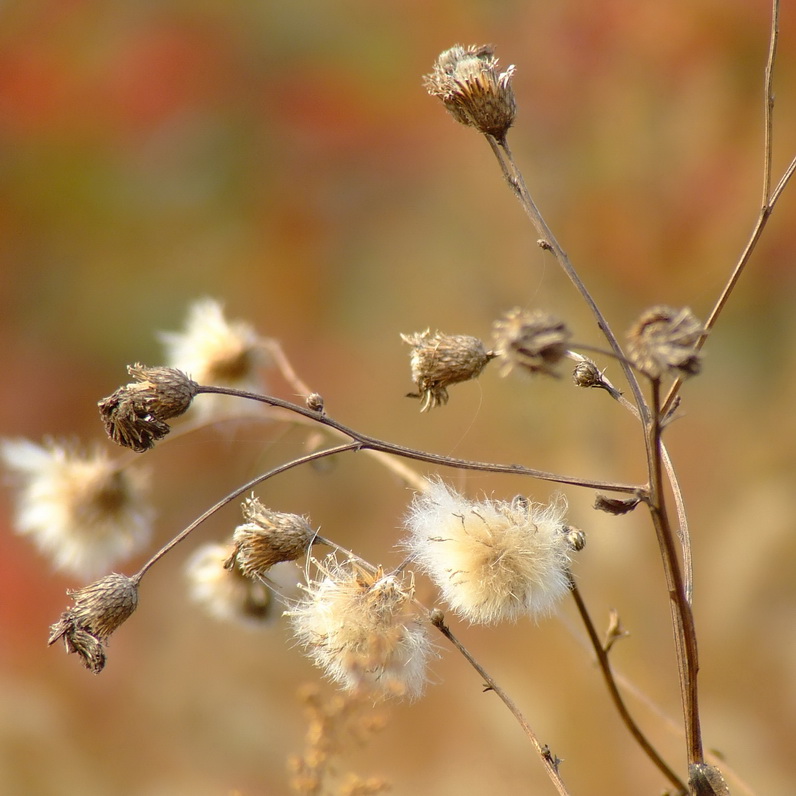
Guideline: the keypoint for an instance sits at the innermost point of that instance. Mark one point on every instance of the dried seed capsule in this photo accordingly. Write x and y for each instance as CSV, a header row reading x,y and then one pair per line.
x,y
664,340
530,340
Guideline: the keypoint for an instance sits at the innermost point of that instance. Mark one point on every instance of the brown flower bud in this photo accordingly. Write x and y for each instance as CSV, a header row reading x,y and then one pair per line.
x,y
530,340
266,538
439,360
472,89
663,340
315,402
576,538
98,610
135,415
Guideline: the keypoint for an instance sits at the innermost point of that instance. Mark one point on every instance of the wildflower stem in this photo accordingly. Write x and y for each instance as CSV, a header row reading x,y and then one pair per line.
x,y
366,442
769,198
517,183
608,675
549,760
682,616
235,494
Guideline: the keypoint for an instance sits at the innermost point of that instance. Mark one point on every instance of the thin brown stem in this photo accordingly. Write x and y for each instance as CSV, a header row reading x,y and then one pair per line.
x,y
366,442
548,759
682,616
234,494
768,112
605,667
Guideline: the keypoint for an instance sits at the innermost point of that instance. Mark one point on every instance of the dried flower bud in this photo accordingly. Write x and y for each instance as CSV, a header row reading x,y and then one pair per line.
x,y
439,360
266,538
587,374
315,402
665,339
135,415
361,628
530,340
472,89
492,560
98,610
575,537
615,506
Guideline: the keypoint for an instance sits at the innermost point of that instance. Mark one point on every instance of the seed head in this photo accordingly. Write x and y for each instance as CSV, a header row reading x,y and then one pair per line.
x,y
82,511
98,610
532,341
225,592
266,538
492,560
217,352
664,340
472,89
360,628
439,360
135,415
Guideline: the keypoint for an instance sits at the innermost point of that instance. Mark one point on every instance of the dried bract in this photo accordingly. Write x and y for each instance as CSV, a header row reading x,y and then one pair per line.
x,y
612,505
226,593
360,627
268,537
663,340
439,360
473,90
82,511
492,560
135,415
98,610
530,341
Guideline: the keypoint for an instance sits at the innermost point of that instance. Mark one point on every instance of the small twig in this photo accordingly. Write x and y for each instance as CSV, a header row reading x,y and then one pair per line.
x,y
605,667
366,442
234,494
548,760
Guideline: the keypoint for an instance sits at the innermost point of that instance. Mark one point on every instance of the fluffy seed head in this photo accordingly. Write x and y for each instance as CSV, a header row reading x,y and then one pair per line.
x,y
492,560
439,360
473,90
359,627
217,352
268,537
83,512
135,415
98,610
530,341
664,340
225,592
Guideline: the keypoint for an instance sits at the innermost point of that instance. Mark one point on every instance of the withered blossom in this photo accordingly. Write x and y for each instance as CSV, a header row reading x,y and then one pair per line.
x,y
530,341
473,90
664,340
439,360
135,415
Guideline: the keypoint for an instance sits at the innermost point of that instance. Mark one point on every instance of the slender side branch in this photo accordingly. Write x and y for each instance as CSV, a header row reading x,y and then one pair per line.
x,y
608,675
549,761
366,442
237,493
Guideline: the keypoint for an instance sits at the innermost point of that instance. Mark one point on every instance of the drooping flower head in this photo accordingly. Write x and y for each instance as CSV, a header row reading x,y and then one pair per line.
x,y
361,629
492,560
82,511
664,339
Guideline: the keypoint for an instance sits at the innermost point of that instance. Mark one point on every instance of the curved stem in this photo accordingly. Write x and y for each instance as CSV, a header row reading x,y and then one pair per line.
x,y
549,760
366,442
605,667
234,494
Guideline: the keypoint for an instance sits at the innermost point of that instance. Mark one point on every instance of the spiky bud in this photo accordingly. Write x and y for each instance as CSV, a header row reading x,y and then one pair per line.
x,y
266,538
135,415
664,339
473,90
98,610
439,360
532,341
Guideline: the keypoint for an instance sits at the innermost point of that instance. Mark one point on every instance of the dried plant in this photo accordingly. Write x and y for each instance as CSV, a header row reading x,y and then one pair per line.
x,y
490,559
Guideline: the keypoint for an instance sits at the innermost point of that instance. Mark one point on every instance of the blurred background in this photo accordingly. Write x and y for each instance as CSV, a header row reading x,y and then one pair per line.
x,y
285,159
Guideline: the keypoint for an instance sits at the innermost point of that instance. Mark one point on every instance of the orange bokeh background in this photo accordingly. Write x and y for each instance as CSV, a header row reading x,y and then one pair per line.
x,y
285,159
